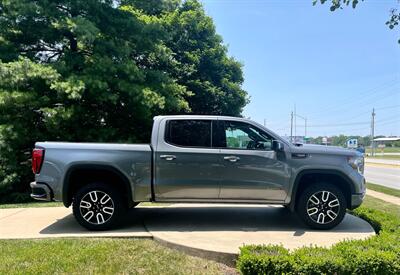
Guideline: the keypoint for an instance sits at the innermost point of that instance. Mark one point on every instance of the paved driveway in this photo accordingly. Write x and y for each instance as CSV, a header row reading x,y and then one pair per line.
x,y
205,229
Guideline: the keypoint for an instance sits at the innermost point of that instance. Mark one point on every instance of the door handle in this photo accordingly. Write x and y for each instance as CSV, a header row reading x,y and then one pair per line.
x,y
232,158
168,157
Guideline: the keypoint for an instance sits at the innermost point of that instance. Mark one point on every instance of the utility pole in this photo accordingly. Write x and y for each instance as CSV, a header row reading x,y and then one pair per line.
x,y
291,127
295,122
373,132
305,128
265,122
305,124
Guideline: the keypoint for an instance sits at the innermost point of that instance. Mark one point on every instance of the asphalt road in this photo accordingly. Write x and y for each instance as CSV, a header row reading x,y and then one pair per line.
x,y
385,176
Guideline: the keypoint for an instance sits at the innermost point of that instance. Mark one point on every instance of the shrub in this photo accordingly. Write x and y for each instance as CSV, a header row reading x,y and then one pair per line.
x,y
379,254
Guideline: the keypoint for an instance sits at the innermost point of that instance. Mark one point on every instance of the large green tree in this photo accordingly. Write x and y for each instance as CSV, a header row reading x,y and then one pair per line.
x,y
99,70
201,63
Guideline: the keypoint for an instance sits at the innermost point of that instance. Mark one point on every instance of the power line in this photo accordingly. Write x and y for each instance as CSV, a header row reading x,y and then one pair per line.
x,y
388,123
366,94
396,117
388,107
338,124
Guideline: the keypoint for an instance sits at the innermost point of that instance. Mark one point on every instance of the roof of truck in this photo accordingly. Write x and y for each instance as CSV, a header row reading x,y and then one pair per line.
x,y
201,116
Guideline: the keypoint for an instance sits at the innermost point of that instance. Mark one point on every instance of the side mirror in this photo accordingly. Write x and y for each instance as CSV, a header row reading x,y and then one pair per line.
x,y
278,146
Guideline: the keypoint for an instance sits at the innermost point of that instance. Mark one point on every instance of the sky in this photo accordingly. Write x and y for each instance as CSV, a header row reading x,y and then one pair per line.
x,y
333,67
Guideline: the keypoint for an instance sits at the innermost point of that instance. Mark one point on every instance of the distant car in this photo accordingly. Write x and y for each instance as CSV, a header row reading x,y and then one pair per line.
x,y
200,159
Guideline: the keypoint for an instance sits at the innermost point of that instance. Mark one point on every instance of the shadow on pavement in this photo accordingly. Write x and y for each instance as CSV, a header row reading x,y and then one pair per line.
x,y
197,219
245,219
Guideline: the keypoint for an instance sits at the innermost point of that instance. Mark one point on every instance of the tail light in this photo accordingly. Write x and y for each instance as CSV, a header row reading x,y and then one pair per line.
x,y
37,160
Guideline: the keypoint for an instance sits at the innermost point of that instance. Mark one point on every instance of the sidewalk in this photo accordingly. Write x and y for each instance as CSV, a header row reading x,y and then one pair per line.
x,y
384,197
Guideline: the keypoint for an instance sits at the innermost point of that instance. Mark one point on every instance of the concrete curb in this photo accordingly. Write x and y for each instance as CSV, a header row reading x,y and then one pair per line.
x,y
228,259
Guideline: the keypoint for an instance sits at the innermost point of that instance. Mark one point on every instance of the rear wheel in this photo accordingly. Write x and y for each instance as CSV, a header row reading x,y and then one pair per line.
x,y
321,206
98,206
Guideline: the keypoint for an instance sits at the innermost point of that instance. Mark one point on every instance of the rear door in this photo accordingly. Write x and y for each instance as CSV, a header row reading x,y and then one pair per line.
x,y
251,169
186,166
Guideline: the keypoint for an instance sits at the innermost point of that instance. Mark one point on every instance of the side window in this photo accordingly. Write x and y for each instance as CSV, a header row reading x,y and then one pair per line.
x,y
189,133
241,135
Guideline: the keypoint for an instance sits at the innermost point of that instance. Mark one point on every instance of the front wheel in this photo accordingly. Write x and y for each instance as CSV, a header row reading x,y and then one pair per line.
x,y
321,206
97,206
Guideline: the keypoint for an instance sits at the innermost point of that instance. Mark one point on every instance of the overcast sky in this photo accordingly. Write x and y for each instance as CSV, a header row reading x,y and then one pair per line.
x,y
335,66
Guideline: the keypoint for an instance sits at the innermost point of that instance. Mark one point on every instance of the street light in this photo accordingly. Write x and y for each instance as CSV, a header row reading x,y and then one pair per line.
x,y
305,124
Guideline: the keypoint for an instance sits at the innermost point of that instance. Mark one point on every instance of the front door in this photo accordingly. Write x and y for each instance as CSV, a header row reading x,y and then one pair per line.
x,y
251,169
187,167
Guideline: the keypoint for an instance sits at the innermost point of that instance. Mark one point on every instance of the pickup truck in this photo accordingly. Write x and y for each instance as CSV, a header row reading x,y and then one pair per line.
x,y
213,159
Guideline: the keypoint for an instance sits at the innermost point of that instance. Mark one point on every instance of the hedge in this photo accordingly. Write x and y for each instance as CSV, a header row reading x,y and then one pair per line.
x,y
379,254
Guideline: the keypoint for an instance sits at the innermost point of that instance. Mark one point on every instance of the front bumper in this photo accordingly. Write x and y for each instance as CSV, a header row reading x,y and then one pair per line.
x,y
41,191
358,194
356,200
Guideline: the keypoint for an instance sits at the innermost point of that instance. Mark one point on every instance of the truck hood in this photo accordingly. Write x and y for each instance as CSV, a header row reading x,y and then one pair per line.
x,y
323,149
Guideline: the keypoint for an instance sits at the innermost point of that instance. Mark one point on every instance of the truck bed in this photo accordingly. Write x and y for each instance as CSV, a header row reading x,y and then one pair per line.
x,y
94,146
132,161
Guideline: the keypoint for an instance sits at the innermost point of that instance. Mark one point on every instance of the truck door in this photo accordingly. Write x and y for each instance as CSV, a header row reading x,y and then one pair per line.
x,y
186,166
251,169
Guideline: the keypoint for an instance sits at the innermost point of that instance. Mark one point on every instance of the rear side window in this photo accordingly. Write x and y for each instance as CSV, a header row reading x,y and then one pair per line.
x,y
189,133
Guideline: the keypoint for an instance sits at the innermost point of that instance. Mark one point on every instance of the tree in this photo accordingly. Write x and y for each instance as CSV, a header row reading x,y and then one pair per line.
x,y
204,67
393,21
201,61
91,70
28,94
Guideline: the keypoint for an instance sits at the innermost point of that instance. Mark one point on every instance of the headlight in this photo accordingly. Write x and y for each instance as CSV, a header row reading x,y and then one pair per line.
x,y
357,163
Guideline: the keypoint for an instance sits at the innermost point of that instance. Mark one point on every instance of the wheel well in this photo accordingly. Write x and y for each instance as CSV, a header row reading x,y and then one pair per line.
x,y
336,179
78,177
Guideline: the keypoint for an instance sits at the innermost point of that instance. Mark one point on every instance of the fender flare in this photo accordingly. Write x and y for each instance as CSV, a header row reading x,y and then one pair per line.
x,y
101,167
316,171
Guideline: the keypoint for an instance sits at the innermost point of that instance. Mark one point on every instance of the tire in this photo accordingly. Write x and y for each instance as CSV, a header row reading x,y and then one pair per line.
x,y
321,206
98,206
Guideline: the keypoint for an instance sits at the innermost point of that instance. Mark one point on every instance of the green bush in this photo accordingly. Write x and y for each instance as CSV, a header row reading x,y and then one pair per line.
x,y
379,254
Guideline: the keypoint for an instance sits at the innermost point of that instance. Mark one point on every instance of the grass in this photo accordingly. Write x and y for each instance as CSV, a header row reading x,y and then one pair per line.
x,y
99,256
30,204
385,150
384,189
385,207
58,204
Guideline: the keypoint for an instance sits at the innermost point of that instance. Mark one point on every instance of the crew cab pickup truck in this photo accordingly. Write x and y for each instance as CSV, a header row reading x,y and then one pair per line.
x,y
199,159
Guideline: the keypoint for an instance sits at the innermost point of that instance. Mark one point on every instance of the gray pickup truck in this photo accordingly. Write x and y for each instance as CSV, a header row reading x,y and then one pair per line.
x,y
199,159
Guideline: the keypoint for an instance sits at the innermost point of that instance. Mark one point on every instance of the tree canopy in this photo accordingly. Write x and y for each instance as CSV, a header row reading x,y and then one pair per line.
x,y
91,70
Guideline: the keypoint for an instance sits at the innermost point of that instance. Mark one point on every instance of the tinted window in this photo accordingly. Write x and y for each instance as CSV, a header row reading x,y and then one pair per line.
x,y
189,133
240,135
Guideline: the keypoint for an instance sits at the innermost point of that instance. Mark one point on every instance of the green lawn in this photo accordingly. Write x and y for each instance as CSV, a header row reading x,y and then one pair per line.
x,y
99,256
383,189
53,204
30,204
385,150
381,205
